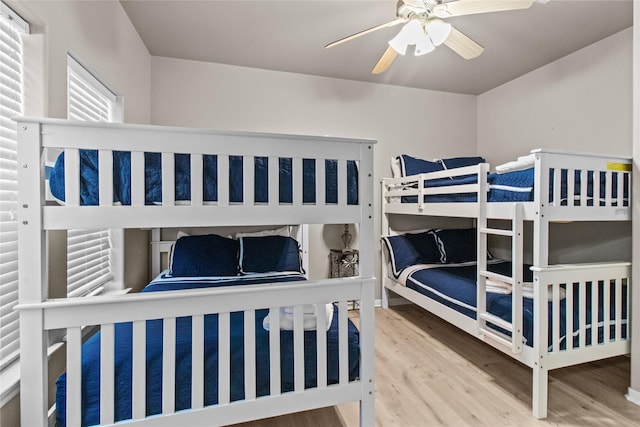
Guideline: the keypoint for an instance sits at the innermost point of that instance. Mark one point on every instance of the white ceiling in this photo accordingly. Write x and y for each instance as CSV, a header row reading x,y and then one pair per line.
x,y
290,36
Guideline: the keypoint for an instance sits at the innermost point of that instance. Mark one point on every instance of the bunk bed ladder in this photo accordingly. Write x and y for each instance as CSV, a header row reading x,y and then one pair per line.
x,y
508,334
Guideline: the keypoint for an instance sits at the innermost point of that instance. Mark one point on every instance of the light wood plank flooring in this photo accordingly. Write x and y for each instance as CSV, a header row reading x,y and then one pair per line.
x,y
429,373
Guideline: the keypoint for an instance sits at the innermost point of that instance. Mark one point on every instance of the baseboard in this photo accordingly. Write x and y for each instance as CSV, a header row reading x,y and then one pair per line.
x,y
633,396
392,301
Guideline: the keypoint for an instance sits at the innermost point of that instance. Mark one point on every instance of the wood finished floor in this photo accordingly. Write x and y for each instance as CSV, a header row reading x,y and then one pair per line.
x,y
429,373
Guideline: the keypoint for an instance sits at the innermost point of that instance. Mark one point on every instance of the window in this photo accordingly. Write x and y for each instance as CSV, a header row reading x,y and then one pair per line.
x,y
11,105
89,98
90,252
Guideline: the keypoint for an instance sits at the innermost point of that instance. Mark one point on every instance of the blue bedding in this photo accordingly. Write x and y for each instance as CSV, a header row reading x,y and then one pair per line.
x,y
455,287
89,192
518,186
507,187
123,359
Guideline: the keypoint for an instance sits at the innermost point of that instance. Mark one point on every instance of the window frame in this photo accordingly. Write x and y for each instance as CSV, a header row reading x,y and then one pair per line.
x,y
16,25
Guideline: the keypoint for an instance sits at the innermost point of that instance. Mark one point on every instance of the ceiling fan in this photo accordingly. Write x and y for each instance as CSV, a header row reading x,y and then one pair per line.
x,y
425,27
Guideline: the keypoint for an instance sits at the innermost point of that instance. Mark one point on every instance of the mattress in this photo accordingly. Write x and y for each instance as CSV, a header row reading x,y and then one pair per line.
x,y
89,188
454,285
123,359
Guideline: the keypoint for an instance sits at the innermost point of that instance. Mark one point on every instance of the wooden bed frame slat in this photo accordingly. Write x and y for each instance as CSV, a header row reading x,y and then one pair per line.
x,y
224,362
274,352
249,355
107,348
168,365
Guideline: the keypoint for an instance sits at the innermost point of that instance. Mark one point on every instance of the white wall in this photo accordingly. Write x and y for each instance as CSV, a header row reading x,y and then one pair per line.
x,y
101,35
580,102
424,123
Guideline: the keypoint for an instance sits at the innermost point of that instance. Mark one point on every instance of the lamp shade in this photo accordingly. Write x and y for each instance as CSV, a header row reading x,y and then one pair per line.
x,y
411,33
438,31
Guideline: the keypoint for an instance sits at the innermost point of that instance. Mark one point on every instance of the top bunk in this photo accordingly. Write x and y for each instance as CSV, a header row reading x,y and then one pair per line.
x,y
549,185
89,175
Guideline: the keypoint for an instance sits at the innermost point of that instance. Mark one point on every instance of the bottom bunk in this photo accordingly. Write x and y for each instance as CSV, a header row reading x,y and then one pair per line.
x,y
570,314
182,376
209,344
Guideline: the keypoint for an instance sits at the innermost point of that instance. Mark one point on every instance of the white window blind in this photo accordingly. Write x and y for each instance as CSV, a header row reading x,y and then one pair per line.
x,y
89,99
11,105
88,250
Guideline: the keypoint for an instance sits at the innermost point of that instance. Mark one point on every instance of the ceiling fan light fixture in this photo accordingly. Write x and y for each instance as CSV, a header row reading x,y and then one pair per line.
x,y
411,33
438,31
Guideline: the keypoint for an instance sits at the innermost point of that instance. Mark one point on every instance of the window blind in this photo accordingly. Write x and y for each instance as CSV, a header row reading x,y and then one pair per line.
x,y
11,105
88,250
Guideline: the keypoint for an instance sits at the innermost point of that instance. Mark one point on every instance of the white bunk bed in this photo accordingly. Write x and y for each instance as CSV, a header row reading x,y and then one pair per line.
x,y
563,191
40,315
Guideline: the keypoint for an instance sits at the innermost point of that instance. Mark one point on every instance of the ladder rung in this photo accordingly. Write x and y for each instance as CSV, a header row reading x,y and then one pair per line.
x,y
496,276
496,231
495,320
497,336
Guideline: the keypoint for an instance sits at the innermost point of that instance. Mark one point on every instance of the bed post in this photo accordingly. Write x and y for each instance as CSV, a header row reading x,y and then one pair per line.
x,y
540,384
367,315
367,359
32,273
541,223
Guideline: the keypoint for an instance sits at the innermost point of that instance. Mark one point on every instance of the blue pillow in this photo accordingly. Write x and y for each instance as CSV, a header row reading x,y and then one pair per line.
x,y
409,249
460,162
426,245
413,166
457,245
206,255
269,254
402,253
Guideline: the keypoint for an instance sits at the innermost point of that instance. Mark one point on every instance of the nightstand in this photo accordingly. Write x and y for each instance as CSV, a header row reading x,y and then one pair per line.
x,y
344,262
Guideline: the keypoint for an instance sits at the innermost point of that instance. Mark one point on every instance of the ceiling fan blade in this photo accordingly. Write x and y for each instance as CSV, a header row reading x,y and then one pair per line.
x,y
472,7
463,45
385,61
367,31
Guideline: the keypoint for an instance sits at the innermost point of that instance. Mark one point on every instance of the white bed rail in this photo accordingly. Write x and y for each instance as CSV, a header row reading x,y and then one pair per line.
x,y
564,191
106,311
414,187
589,305
71,137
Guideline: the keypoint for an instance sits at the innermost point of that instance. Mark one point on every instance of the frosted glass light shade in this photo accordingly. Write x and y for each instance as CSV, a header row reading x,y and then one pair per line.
x,y
411,33
438,31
